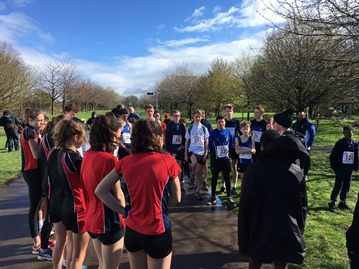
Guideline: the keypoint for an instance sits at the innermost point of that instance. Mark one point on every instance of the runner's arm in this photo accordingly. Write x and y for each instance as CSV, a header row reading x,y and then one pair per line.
x,y
35,148
175,192
103,192
253,151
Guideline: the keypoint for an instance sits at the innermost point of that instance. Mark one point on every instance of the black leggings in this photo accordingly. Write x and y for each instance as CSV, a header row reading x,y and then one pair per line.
x,y
33,179
218,165
47,227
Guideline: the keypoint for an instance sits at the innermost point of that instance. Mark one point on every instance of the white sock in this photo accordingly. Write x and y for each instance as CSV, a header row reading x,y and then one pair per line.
x,y
234,185
223,185
41,223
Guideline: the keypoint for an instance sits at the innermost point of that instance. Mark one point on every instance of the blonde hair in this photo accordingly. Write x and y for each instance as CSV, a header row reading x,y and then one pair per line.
x,y
197,111
68,128
245,124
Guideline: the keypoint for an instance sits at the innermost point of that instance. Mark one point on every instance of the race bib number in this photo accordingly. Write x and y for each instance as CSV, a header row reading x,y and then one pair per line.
x,y
196,141
257,135
245,155
177,139
126,138
232,130
348,157
222,151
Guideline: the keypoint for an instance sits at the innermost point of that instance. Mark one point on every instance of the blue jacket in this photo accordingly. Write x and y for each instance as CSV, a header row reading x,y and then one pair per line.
x,y
134,115
306,128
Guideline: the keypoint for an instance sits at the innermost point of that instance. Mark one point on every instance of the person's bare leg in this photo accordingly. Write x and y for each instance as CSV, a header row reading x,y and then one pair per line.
x,y
280,264
42,210
193,163
205,171
112,254
58,251
80,242
138,260
254,264
97,246
179,162
69,248
235,171
199,169
164,263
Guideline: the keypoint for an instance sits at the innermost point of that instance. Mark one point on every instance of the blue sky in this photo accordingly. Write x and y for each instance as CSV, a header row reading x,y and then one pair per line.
x,y
129,44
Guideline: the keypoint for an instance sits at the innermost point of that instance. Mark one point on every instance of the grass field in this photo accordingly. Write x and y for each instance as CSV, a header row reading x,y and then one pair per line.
x,y
10,162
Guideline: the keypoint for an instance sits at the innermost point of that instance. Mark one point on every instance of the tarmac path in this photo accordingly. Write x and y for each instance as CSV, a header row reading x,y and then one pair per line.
x,y
203,236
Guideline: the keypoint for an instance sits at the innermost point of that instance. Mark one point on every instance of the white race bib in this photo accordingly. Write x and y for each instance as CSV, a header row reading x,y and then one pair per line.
x,y
257,135
232,130
177,139
348,157
196,141
222,151
115,152
126,138
245,155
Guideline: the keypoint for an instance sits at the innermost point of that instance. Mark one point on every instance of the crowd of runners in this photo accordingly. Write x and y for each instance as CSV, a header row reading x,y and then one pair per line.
x,y
132,168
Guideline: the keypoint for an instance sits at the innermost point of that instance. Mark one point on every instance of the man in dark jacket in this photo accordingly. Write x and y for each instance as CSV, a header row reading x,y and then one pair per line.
x,y
353,239
116,110
273,205
10,123
133,114
92,119
305,127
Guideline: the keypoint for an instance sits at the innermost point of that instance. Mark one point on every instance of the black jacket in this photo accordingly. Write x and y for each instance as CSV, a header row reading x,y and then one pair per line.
x,y
353,231
116,112
9,121
273,204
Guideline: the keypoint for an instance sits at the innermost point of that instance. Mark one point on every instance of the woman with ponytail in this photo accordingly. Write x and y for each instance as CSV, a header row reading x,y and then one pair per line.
x,y
105,226
152,181
30,155
69,136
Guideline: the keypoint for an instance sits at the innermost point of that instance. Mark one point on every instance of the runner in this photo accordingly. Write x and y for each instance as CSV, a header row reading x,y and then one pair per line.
x,y
71,111
206,124
245,148
149,110
30,155
186,165
233,126
198,149
104,226
125,141
69,136
259,125
175,138
167,119
220,143
148,243
157,115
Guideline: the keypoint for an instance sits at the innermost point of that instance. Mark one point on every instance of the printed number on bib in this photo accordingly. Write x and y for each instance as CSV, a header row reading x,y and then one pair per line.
x,y
196,141
177,140
348,157
126,138
245,155
222,151
232,130
257,135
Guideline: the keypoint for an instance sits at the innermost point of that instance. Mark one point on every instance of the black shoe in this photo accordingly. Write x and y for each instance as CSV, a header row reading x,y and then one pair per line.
x,y
16,149
205,186
221,191
332,207
234,190
342,205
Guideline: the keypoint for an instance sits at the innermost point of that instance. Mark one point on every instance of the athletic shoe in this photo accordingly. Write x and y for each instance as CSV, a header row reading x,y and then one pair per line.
x,y
332,207
52,242
342,205
221,191
191,179
46,255
205,186
6,148
183,190
230,202
36,250
16,149
198,195
212,201
52,233
234,190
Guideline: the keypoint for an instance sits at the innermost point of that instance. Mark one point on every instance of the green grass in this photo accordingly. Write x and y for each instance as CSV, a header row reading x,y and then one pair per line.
x,y
324,234
10,162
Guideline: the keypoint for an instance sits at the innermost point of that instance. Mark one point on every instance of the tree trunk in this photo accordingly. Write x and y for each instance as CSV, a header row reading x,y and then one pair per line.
x,y
52,106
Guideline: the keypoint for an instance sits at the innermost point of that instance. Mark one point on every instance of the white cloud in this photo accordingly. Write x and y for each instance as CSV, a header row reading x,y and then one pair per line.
x,y
161,26
2,6
21,3
16,24
182,42
198,12
251,13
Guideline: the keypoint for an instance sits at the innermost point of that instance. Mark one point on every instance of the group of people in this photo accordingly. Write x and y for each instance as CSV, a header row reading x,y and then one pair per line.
x,y
128,173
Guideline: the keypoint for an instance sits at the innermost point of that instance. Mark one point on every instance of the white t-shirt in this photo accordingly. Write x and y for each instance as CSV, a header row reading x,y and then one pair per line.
x,y
198,138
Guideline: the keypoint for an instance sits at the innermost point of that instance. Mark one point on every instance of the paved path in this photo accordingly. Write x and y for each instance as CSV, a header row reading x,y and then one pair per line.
x,y
203,236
